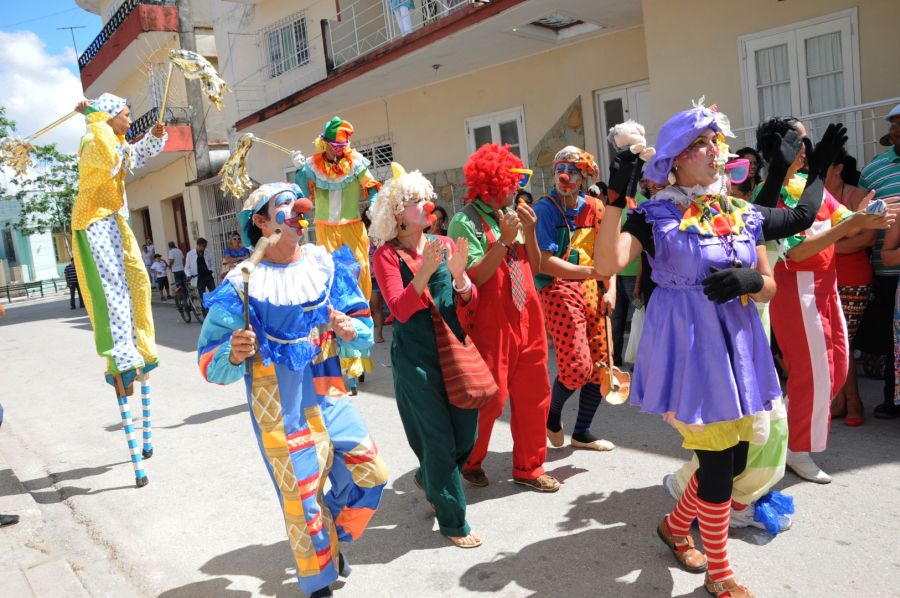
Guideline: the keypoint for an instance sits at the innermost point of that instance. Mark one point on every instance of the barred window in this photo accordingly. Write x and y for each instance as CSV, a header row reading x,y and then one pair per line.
x,y
380,155
287,46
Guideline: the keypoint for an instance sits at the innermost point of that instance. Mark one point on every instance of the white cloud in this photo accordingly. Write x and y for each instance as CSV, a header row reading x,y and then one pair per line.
x,y
38,89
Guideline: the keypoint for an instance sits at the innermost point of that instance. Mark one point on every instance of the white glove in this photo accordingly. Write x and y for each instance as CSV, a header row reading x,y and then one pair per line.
x,y
298,158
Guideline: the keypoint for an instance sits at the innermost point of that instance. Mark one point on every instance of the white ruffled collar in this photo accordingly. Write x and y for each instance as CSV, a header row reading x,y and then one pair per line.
x,y
305,282
683,196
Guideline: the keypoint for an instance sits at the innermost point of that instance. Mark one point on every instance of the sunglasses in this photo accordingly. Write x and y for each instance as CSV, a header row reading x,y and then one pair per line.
x,y
524,176
738,170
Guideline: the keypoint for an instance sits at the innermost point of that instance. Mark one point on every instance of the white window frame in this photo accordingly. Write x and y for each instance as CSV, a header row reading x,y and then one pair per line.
x,y
493,120
628,94
846,22
380,168
285,27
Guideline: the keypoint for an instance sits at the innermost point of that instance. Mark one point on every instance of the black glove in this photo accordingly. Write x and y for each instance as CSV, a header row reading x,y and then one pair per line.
x,y
818,160
783,151
729,283
624,174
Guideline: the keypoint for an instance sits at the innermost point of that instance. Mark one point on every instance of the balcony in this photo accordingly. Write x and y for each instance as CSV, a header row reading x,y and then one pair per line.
x,y
367,25
367,54
180,140
113,55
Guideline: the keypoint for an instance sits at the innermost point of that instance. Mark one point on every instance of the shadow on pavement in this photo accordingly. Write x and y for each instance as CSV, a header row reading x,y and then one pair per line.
x,y
555,567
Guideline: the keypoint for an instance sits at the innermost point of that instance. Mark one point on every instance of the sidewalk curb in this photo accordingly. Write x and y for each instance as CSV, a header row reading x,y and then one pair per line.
x,y
28,566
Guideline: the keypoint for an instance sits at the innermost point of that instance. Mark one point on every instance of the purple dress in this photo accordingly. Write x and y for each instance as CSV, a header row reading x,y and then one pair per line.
x,y
705,361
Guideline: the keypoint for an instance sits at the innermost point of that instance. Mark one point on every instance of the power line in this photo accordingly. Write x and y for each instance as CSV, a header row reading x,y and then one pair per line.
x,y
61,12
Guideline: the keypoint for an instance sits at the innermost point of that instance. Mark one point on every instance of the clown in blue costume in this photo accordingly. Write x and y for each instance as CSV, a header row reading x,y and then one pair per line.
x,y
302,303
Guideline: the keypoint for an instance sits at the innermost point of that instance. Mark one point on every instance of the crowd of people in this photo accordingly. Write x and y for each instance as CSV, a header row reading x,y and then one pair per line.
x,y
777,256
716,246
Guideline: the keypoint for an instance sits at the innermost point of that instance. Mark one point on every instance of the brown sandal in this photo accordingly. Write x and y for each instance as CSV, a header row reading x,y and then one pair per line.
x,y
727,588
543,483
689,558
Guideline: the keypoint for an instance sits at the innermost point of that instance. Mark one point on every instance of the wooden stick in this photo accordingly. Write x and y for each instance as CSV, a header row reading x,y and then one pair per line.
x,y
53,125
254,259
162,109
270,144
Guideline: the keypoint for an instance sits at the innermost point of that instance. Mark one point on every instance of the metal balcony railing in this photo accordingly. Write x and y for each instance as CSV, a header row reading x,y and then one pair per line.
x,y
865,124
114,23
366,25
175,115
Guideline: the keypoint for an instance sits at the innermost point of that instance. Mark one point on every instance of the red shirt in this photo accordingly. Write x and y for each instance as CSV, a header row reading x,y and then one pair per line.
x,y
403,301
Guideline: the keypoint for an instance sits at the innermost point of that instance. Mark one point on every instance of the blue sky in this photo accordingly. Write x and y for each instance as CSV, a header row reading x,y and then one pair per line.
x,y
38,67
43,17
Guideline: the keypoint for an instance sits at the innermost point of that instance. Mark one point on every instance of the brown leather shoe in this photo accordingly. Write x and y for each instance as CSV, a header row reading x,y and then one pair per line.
x,y
689,558
726,588
476,477
542,483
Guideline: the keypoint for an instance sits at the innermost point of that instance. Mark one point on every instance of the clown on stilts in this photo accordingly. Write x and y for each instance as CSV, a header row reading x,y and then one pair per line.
x,y
508,325
337,178
575,300
112,276
304,306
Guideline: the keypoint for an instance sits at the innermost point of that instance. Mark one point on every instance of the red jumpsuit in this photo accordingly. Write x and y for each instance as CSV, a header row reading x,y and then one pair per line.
x,y
513,343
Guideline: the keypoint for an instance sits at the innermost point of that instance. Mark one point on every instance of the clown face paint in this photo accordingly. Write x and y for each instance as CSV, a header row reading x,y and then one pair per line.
x,y
419,214
567,178
299,210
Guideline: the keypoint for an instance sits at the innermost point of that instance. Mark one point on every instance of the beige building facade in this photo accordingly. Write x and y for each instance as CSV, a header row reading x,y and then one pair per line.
x,y
541,74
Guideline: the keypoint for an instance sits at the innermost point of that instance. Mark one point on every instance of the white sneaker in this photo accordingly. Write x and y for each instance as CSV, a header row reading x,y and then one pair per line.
x,y
801,463
744,518
670,483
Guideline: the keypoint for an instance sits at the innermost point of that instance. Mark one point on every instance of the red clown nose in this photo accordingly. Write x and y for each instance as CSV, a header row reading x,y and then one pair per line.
x,y
564,178
428,206
302,206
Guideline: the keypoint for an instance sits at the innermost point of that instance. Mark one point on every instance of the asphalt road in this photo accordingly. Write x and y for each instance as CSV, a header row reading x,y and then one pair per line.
x,y
209,525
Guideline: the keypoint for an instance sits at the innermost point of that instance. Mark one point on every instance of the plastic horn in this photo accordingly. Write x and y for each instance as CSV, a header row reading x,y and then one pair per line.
x,y
246,270
280,148
162,108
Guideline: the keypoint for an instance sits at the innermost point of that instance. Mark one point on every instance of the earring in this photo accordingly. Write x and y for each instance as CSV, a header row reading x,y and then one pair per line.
x,y
672,178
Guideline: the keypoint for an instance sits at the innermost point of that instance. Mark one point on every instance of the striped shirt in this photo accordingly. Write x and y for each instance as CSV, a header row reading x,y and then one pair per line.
x,y
882,175
71,276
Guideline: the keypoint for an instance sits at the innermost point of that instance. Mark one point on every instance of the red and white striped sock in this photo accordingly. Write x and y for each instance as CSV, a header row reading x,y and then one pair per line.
x,y
714,520
682,516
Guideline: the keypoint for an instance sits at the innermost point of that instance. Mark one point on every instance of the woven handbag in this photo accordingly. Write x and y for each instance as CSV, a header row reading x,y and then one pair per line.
x,y
467,378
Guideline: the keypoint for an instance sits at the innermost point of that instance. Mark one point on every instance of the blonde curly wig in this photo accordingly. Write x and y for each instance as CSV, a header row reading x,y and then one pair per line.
x,y
404,188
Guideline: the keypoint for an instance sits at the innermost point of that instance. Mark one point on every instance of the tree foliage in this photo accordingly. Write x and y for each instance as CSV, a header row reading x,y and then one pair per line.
x,y
46,193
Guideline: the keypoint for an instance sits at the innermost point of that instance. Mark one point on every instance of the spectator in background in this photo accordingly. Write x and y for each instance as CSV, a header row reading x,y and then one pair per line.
x,y
882,175
854,277
199,263
151,248
439,226
176,263
754,178
234,254
160,270
147,255
72,282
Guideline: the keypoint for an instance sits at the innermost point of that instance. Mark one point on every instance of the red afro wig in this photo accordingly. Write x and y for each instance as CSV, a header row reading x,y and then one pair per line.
x,y
487,173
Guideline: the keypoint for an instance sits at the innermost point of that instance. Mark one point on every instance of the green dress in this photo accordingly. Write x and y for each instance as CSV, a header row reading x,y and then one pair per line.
x,y
441,435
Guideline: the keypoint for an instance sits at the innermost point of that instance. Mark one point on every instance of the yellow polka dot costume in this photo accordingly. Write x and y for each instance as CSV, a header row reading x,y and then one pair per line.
x,y
112,276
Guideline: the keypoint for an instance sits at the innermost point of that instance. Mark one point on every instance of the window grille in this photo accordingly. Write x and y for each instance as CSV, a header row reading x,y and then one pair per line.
x,y
286,45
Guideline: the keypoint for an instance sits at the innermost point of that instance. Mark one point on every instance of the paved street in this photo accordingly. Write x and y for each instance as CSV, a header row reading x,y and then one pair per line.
x,y
208,524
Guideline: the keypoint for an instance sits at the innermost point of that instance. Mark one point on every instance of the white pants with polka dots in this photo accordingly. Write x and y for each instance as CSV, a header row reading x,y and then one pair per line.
x,y
105,240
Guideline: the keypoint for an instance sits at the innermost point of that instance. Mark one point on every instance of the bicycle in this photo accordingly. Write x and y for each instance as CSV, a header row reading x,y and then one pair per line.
x,y
186,301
